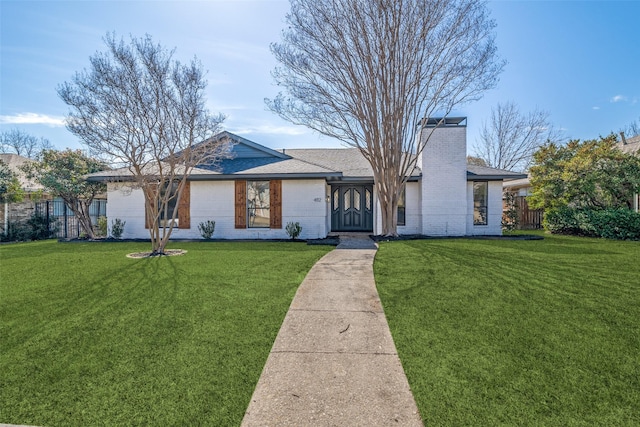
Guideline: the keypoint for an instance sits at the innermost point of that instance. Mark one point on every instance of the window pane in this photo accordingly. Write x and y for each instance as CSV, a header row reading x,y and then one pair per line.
x,y
356,199
367,199
401,215
401,207
170,191
347,200
480,201
258,200
336,199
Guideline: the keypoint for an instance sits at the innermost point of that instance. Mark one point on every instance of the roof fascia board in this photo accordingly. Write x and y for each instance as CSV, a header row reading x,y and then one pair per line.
x,y
474,177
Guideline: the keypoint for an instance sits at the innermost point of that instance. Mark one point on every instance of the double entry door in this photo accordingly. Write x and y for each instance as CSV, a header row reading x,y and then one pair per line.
x,y
351,208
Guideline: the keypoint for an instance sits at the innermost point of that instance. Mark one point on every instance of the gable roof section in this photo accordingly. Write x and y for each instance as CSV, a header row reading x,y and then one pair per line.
x,y
246,149
249,161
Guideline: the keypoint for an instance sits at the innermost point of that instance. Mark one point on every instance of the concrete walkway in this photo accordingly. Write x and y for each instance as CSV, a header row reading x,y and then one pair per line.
x,y
334,362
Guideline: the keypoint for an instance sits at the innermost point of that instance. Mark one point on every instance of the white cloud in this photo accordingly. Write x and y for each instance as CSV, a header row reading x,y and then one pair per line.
x,y
269,129
595,108
618,98
33,119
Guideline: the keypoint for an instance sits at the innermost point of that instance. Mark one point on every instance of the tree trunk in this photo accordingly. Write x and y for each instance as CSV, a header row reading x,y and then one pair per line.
x,y
388,206
80,209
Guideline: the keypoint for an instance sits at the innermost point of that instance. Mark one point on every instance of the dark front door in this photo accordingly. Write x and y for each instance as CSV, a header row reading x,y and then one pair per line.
x,y
352,208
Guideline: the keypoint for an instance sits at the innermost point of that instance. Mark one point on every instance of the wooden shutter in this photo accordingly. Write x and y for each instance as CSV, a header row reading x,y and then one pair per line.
x,y
184,207
275,196
150,210
241,204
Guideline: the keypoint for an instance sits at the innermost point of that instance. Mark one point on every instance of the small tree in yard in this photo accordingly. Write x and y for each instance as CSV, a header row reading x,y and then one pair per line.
x,y
142,110
588,175
62,174
10,189
368,72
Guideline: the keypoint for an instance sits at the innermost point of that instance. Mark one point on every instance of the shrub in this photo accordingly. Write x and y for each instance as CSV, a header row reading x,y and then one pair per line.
x,y
510,213
612,223
41,227
102,226
207,228
37,227
117,228
17,231
293,229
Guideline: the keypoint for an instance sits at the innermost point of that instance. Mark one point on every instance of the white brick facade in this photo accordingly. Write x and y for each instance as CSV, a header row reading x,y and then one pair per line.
x,y
303,201
444,181
439,203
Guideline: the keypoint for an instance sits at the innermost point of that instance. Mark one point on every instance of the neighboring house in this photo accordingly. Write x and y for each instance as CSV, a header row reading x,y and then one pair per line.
x,y
37,200
259,190
20,211
631,146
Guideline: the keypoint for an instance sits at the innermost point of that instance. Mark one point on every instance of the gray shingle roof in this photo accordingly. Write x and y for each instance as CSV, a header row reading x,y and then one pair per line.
x,y
485,173
349,161
329,163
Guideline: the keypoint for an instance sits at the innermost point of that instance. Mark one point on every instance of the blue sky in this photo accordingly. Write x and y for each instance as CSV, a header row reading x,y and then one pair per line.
x,y
580,61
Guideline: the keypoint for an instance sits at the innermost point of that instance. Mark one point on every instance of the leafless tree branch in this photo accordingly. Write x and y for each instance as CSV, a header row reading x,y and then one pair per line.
x,y
138,108
509,138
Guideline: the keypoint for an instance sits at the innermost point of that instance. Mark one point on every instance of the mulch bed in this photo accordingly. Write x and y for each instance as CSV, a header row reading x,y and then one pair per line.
x,y
168,252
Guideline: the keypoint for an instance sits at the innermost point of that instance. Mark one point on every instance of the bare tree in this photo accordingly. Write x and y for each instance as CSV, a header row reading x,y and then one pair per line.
x,y
142,110
367,73
476,161
509,138
632,129
22,143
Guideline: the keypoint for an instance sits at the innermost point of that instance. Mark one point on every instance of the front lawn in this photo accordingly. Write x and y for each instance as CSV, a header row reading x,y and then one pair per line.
x,y
89,337
494,332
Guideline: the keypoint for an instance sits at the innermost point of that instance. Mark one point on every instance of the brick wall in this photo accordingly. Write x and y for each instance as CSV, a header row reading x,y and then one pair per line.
x,y
444,181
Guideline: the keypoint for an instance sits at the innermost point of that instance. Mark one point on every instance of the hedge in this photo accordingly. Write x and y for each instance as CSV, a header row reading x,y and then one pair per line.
x,y
620,224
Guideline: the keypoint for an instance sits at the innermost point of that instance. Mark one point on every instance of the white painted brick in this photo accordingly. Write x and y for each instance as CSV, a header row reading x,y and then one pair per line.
x,y
444,182
303,201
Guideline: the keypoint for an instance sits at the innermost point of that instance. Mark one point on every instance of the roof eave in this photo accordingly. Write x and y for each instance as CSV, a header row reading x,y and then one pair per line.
x,y
479,177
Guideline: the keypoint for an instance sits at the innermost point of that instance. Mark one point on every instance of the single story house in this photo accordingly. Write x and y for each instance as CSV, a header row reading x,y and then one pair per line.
x,y
254,194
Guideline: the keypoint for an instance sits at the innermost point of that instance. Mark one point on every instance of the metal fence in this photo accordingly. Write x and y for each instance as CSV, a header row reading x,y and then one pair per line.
x,y
63,223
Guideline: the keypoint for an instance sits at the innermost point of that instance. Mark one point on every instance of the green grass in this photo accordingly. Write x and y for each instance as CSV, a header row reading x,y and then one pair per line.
x,y
89,337
517,332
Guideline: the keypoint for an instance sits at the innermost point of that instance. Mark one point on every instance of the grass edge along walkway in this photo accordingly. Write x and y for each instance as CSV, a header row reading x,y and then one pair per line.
x,y
91,337
516,332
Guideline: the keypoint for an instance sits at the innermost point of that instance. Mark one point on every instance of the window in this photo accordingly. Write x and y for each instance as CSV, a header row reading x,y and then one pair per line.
x,y
183,220
480,197
258,204
168,190
402,207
